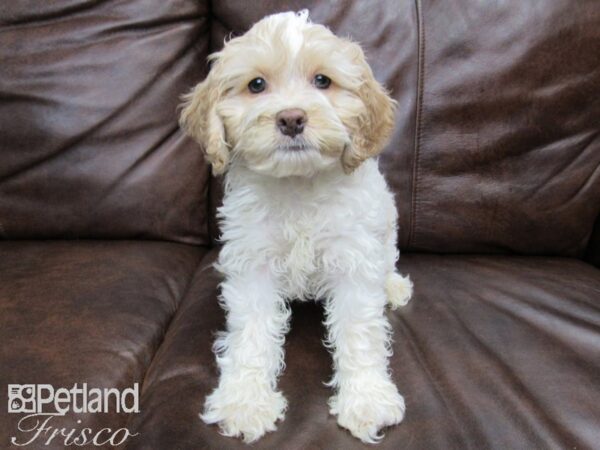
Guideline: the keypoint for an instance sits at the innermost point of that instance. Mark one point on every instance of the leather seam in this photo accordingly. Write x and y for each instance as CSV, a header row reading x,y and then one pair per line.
x,y
418,124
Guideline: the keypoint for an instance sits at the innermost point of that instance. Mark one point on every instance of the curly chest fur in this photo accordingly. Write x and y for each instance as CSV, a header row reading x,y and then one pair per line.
x,y
301,252
303,231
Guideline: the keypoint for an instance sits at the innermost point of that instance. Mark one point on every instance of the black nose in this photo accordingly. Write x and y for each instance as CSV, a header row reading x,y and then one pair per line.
x,y
291,121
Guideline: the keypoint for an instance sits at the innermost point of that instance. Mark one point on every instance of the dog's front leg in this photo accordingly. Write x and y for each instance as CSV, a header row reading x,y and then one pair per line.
x,y
249,353
366,399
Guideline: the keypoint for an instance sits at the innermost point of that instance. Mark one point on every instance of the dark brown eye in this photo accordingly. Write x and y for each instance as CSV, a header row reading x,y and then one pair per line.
x,y
257,85
321,81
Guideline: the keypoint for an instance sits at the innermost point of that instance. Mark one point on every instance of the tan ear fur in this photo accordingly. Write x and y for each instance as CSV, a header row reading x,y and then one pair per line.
x,y
375,124
200,120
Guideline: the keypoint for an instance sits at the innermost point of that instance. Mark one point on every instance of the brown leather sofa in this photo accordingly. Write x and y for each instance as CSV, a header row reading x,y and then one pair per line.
x,y
107,219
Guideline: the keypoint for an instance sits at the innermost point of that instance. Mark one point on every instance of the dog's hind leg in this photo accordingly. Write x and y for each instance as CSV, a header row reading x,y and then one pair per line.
x,y
398,289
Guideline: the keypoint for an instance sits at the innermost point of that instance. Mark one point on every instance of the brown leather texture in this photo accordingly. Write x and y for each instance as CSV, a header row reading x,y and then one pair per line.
x,y
90,146
496,150
85,312
492,352
508,138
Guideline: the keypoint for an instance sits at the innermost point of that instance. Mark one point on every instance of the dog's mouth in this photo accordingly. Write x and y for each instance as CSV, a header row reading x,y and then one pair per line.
x,y
295,147
292,144
295,144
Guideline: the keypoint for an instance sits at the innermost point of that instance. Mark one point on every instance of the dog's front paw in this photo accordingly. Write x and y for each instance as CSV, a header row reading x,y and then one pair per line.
x,y
244,410
365,410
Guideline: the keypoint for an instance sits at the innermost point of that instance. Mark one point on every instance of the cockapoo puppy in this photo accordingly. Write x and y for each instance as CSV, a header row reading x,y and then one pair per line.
x,y
293,116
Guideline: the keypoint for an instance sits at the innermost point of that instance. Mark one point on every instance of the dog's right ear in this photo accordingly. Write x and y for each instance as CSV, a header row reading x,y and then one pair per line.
x,y
199,119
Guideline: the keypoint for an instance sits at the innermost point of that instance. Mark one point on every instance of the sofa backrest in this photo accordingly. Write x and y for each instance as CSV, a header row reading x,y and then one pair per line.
x,y
507,147
497,143
89,141
496,148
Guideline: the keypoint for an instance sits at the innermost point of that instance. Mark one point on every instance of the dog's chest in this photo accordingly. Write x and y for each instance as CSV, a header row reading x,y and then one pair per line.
x,y
299,241
305,234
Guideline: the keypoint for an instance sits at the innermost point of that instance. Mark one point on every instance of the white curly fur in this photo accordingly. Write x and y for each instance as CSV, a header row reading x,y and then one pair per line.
x,y
319,222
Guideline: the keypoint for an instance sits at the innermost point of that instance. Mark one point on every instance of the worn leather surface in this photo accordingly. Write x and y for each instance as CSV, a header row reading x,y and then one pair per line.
x,y
508,141
90,145
493,352
85,312
497,142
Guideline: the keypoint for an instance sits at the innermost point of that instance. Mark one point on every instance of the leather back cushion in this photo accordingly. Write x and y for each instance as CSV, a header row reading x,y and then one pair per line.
x,y
89,142
497,144
508,140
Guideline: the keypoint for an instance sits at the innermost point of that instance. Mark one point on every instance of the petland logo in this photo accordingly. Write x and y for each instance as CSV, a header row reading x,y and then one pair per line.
x,y
42,403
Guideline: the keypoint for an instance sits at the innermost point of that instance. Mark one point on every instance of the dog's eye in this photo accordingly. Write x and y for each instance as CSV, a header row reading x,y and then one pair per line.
x,y
321,81
257,85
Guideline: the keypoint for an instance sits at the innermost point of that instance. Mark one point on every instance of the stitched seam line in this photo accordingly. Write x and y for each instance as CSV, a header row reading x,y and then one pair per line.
x,y
418,128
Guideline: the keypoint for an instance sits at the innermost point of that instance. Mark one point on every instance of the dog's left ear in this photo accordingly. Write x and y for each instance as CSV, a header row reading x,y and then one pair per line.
x,y
375,123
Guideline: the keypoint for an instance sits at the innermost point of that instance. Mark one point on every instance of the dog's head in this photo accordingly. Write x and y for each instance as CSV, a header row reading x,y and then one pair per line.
x,y
289,98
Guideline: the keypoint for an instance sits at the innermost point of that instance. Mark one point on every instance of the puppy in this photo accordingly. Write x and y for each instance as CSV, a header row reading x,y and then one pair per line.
x,y
293,116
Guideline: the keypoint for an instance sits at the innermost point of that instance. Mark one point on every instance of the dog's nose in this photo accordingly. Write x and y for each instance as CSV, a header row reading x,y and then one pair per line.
x,y
291,121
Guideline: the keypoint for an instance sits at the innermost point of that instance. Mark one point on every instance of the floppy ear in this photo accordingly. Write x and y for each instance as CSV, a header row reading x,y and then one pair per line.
x,y
200,120
375,123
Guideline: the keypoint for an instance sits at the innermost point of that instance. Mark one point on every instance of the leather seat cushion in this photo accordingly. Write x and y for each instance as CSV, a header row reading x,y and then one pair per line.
x,y
85,312
493,352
